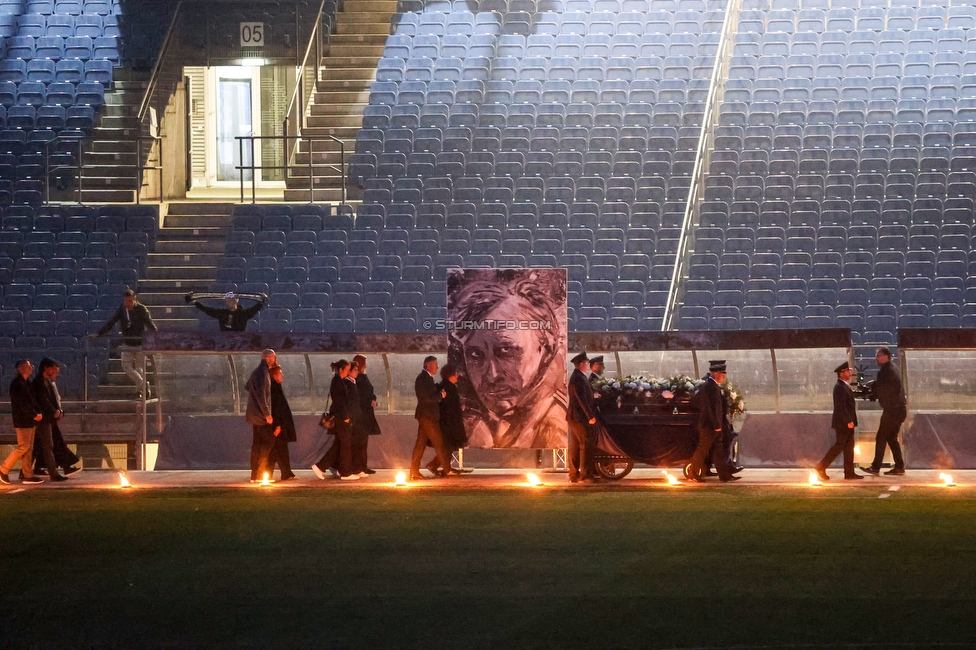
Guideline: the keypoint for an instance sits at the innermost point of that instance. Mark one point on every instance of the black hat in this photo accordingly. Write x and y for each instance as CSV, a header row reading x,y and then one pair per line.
x,y
842,367
579,358
717,365
596,360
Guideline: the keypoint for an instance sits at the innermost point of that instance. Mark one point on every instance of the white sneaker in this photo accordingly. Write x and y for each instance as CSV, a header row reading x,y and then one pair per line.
x,y
319,473
362,475
351,477
334,472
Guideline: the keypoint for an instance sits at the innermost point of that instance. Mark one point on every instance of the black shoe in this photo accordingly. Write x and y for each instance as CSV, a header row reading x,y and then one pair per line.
x,y
288,478
710,472
730,479
57,478
71,471
369,471
32,480
822,474
4,478
854,477
450,473
870,470
737,469
895,472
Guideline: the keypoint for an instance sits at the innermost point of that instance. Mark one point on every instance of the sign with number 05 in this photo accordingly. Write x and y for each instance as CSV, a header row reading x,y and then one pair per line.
x,y
252,34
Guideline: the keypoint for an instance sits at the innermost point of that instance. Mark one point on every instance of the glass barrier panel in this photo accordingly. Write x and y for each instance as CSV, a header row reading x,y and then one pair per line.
x,y
658,364
750,371
806,378
405,368
941,380
198,383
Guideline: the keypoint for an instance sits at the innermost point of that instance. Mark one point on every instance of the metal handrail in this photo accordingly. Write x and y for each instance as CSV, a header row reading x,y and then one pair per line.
x,y
163,51
253,167
298,97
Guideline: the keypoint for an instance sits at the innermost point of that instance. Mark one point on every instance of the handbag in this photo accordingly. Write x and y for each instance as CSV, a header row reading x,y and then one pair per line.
x,y
328,420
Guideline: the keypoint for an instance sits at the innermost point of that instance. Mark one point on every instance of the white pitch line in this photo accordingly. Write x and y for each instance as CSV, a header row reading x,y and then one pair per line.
x,y
884,495
894,488
16,491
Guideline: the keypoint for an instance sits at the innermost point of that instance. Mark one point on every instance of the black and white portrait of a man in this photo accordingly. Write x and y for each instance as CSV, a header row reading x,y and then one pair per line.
x,y
507,336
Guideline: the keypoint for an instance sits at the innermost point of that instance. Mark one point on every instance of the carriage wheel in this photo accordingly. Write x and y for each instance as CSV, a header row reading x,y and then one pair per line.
x,y
687,470
614,470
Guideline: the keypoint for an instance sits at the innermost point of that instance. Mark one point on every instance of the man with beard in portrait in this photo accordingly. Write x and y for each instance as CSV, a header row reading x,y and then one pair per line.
x,y
514,393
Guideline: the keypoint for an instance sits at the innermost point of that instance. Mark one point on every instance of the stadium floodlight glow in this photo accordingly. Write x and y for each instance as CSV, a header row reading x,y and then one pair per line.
x,y
670,478
533,480
123,481
401,479
814,480
947,480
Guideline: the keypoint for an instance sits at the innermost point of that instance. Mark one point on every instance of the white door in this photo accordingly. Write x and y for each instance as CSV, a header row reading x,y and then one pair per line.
x,y
233,109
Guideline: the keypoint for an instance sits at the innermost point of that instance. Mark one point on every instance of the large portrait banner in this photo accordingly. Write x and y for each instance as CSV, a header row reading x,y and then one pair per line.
x,y
507,338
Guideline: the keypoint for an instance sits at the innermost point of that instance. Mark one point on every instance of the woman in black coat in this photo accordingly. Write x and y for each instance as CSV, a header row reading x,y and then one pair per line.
x,y
452,415
338,459
367,423
284,424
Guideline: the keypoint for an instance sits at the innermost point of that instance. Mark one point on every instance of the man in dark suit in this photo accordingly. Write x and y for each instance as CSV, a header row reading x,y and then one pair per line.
x,y
581,416
258,415
428,416
49,404
890,394
26,415
63,456
712,422
844,422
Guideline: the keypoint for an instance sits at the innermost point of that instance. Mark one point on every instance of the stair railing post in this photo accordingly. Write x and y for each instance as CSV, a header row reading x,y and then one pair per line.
x,y
140,169
240,157
254,179
311,178
81,168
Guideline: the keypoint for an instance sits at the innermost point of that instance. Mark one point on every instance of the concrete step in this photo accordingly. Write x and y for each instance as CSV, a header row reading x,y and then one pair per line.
x,y
182,259
342,97
111,146
341,132
355,50
189,246
162,298
350,31
331,195
335,60
195,220
190,208
174,312
354,120
155,285
365,74
343,85
106,158
193,273
320,158
181,233
362,16
107,196
120,110
377,6
352,108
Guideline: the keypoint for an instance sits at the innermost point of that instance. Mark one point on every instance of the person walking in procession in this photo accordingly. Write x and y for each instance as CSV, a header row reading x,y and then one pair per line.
x,y
428,415
581,416
260,416
66,459
26,415
339,458
284,425
712,424
894,410
844,422
367,412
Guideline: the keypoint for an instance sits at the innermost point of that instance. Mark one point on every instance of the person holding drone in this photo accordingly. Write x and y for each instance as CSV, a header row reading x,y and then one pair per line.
x,y
233,318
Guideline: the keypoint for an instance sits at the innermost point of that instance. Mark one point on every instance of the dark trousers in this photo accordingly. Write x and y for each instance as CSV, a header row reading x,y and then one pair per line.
x,y
360,444
580,456
339,455
891,421
279,456
845,445
62,454
728,449
429,430
45,441
710,443
262,444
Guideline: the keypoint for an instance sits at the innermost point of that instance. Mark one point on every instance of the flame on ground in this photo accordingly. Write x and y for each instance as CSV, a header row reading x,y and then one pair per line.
x,y
534,481
401,479
123,481
946,480
815,480
670,478
266,480
857,449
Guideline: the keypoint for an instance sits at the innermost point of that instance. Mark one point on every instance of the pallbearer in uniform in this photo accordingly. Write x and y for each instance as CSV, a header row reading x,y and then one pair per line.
x,y
890,394
581,416
596,368
712,422
844,422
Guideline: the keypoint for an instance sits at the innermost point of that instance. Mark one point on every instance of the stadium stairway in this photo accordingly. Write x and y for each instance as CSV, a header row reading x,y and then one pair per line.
x,y
184,259
342,93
